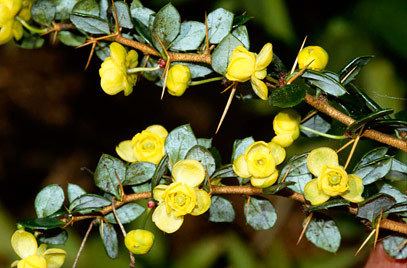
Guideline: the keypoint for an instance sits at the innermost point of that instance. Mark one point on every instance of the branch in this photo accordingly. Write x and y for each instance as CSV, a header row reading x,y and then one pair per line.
x,y
322,105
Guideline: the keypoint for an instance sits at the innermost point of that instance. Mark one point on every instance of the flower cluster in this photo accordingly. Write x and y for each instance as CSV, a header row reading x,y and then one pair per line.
x,y
179,77
331,179
313,58
286,125
9,26
245,65
113,71
258,163
139,241
26,247
181,197
146,146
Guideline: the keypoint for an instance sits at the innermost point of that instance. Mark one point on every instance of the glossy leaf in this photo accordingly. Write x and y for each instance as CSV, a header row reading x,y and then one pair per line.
x,y
287,96
49,200
142,14
197,70
126,213
205,157
166,26
178,143
260,213
85,16
46,223
70,39
141,188
224,172
221,54
139,172
241,19
242,35
74,191
109,238
396,247
324,82
43,12
393,192
324,234
240,146
207,143
221,210
352,69
330,204
374,170
372,155
366,119
57,237
63,8
191,35
372,207
317,123
219,25
296,171
123,14
159,171
109,174
89,203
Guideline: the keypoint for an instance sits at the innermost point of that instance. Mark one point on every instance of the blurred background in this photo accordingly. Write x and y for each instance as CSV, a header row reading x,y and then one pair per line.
x,y
55,120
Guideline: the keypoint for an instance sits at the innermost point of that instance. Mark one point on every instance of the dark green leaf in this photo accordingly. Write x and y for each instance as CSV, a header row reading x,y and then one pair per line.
x,y
224,172
371,156
372,207
324,234
166,26
123,14
29,41
144,33
277,187
393,123
139,172
296,171
400,208
361,97
324,82
126,213
178,143
191,35
242,35
219,24
374,170
260,213
70,39
393,192
74,191
47,223
54,237
396,247
109,238
240,146
202,155
362,121
93,25
317,123
286,97
43,12
89,203
330,204
49,200
109,174
64,8
221,210
221,54
241,20
159,171
350,71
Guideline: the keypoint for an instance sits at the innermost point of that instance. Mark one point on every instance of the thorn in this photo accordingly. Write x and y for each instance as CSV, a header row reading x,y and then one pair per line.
x,y
116,18
305,226
308,116
353,149
377,228
92,50
229,102
207,48
167,64
296,58
292,79
346,145
349,73
366,240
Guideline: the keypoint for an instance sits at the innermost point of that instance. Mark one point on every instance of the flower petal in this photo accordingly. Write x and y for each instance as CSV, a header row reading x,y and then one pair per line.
x,y
320,157
265,182
259,87
265,57
158,192
203,202
354,193
166,222
190,172
24,243
277,151
118,53
125,151
55,257
284,140
159,130
313,194
33,261
240,167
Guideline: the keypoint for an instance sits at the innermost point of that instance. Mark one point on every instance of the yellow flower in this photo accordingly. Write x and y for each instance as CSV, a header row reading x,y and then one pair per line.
x,y
265,182
332,179
32,256
139,241
146,146
244,65
113,71
240,167
178,79
315,56
9,27
181,197
286,125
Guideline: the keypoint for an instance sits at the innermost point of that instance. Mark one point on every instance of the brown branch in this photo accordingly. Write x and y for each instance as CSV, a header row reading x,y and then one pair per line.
x,y
322,105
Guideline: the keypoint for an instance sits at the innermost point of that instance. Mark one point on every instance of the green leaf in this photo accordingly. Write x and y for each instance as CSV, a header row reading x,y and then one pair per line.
x,y
43,12
141,188
178,143
109,238
361,97
198,70
241,19
70,39
240,146
89,203
74,191
398,169
372,207
126,213
207,143
159,171
242,35
324,82
277,187
393,192
330,204
63,8
49,200
221,210
219,24
191,35
109,173
298,173
46,223
350,71
224,172
54,237
221,54
400,208
288,96
324,234
139,172
371,156
166,26
366,119
205,157
123,14
85,16
374,170
260,213
29,41
103,8
142,14
317,123
396,247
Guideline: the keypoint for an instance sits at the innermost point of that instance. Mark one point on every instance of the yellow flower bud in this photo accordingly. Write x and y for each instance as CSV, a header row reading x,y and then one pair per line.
x,y
179,77
113,71
315,56
286,125
148,147
314,194
260,161
240,167
241,65
139,241
179,199
265,182
354,193
284,140
333,180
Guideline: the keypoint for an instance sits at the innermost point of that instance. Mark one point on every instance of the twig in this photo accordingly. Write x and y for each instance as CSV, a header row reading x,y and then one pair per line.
x,y
83,243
